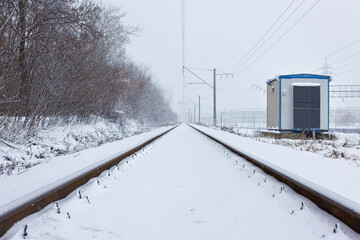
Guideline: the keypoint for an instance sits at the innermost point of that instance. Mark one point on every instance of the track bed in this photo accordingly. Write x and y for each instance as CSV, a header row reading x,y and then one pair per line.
x,y
183,186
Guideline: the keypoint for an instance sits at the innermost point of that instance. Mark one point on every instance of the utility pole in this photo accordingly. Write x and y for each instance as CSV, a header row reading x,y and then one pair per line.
x,y
221,119
214,97
200,98
214,89
189,115
199,109
183,55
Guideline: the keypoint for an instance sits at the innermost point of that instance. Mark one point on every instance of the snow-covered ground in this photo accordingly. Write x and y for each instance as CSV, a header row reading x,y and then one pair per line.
x,y
16,189
335,174
23,152
183,186
346,146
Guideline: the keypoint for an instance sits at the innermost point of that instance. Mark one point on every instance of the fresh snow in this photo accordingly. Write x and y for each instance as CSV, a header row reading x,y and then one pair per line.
x,y
17,189
183,186
306,84
19,152
334,174
345,146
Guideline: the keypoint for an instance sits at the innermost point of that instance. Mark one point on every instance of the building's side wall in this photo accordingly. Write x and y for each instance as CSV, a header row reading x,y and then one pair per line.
x,y
273,105
287,122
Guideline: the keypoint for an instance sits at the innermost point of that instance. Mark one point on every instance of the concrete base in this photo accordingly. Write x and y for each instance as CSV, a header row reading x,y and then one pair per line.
x,y
295,135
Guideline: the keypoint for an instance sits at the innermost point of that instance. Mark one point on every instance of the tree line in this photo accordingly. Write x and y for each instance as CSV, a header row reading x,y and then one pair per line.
x,y
65,60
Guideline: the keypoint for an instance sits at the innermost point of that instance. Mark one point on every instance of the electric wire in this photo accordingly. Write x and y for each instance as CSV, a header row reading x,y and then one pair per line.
x,y
263,36
271,35
280,37
199,69
183,53
340,60
351,70
344,58
331,54
298,6
351,63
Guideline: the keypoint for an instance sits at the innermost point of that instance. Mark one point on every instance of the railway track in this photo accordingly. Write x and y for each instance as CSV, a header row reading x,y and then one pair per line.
x,y
10,215
334,204
338,206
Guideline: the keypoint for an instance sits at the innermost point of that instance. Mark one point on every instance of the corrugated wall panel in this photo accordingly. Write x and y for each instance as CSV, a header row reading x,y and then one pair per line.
x,y
306,107
273,105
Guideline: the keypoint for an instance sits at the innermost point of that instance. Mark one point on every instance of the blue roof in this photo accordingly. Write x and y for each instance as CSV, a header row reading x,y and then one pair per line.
x,y
304,75
301,75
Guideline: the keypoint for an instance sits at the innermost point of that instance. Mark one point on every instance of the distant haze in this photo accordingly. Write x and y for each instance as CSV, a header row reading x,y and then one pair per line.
x,y
218,34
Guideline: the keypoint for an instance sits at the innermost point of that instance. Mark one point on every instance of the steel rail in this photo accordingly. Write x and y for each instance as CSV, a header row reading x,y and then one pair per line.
x,y
342,208
37,203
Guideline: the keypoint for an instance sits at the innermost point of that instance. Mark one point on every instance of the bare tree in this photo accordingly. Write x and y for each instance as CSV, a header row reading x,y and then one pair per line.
x,y
64,59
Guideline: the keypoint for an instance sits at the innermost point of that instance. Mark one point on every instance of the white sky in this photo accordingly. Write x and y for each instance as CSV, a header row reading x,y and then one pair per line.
x,y
218,34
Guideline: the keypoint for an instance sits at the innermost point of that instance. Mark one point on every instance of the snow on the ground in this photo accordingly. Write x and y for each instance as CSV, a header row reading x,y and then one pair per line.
x,y
14,187
334,174
56,140
183,186
346,146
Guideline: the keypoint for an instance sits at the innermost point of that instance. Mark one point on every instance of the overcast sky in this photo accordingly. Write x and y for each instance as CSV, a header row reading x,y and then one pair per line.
x,y
218,34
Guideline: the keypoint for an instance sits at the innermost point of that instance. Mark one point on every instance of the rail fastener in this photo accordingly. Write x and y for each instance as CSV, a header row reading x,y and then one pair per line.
x,y
347,213
9,218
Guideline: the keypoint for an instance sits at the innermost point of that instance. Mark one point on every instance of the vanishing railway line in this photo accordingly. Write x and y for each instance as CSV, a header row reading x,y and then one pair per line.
x,y
346,211
9,216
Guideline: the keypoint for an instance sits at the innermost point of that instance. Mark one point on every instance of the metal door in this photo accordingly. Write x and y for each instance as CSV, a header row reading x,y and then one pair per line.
x,y
306,107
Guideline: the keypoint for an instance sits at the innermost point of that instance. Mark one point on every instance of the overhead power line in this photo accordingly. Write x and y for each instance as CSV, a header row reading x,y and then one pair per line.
x,y
183,52
200,69
202,80
351,70
272,34
351,63
344,58
340,60
330,55
241,64
280,37
263,36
